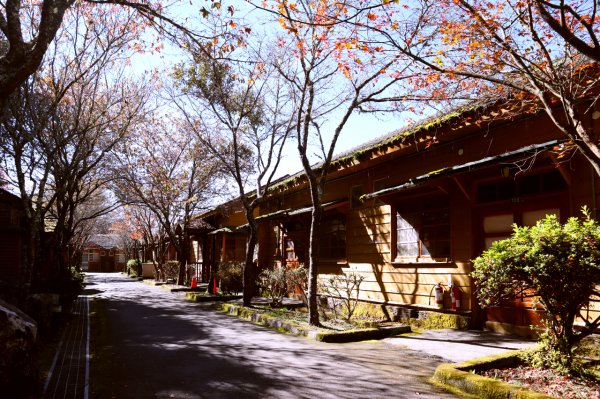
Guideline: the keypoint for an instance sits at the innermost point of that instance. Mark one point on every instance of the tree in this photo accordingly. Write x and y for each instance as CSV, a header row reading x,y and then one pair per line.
x,y
237,111
143,224
576,25
27,30
58,128
167,171
557,264
332,75
130,230
532,53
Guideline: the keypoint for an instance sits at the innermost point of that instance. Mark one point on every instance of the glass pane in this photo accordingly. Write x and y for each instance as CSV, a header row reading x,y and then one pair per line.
x,y
531,217
498,223
553,181
529,185
408,235
406,221
408,249
506,189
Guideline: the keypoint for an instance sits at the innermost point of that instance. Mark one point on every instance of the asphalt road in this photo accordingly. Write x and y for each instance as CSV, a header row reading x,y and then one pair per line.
x,y
150,343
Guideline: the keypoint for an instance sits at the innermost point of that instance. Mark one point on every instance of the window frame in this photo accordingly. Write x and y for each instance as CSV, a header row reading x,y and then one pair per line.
x,y
420,257
88,256
327,223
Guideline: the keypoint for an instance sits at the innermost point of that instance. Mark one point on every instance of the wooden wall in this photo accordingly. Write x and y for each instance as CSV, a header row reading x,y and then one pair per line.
x,y
370,225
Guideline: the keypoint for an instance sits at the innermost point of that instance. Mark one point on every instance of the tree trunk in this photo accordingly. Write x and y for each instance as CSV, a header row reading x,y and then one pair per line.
x,y
183,259
250,266
213,268
574,128
313,272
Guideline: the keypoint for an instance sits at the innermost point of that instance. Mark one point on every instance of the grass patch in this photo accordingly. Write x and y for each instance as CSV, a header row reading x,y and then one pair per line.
x,y
436,321
295,322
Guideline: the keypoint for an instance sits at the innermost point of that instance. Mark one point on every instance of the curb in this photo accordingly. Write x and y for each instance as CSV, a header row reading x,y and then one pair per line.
x,y
460,379
153,283
202,297
321,336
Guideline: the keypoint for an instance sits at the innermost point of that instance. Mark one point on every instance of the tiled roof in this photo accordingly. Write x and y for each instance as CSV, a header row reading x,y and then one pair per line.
x,y
107,241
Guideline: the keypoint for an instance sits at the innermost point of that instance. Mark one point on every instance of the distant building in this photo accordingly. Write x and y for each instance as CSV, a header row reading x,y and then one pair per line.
x,y
103,253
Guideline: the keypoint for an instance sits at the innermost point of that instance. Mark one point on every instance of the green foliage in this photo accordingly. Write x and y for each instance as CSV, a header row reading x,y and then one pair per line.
x,y
133,267
69,285
171,270
548,356
216,82
231,275
279,282
558,264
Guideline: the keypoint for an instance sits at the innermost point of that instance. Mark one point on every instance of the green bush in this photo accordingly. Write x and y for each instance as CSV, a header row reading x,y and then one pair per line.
x,y
231,276
133,267
559,265
69,285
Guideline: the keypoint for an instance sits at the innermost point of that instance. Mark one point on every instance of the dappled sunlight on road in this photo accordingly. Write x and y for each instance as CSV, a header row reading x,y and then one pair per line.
x,y
163,346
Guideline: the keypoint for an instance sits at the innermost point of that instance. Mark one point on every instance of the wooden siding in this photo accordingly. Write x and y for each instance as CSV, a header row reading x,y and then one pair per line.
x,y
371,226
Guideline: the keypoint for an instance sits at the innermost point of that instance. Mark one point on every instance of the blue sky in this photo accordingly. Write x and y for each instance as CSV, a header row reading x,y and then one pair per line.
x,y
360,128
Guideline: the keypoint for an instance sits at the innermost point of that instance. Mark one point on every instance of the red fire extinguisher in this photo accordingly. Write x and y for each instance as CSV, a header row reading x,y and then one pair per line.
x,y
439,295
455,295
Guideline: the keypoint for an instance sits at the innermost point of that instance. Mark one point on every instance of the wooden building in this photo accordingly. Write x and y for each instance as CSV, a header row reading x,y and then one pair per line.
x,y
103,253
412,209
217,236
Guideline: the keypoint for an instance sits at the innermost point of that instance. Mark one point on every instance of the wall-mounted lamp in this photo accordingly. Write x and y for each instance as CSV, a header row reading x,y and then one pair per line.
x,y
460,151
505,171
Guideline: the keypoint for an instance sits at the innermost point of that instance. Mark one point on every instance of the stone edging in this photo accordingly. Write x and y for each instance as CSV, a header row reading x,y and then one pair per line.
x,y
201,297
322,336
460,379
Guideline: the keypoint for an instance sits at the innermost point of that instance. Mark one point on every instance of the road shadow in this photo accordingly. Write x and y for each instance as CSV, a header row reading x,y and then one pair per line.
x,y
148,343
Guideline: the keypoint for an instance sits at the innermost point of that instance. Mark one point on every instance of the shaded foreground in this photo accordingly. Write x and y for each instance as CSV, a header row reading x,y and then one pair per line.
x,y
147,342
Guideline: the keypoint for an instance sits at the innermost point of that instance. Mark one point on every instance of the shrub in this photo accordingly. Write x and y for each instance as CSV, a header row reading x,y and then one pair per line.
x,y
279,282
297,281
231,275
558,264
69,285
273,285
342,288
171,270
133,267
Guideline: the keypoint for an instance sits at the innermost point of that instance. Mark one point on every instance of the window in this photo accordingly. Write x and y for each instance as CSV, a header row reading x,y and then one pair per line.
x,y
332,238
548,182
423,230
294,242
87,256
500,226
